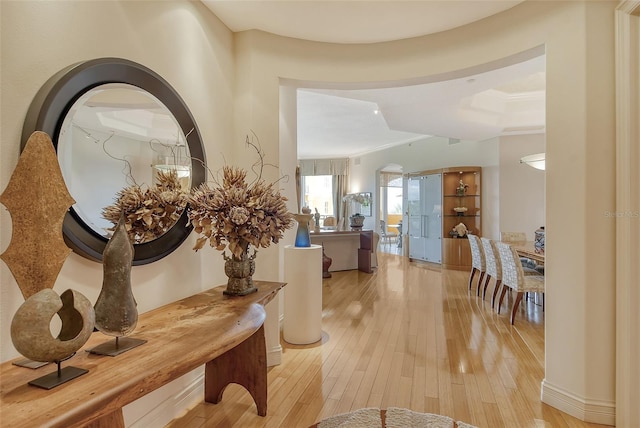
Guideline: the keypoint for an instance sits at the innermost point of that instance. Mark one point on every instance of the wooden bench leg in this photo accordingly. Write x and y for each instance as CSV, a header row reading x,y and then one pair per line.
x,y
246,365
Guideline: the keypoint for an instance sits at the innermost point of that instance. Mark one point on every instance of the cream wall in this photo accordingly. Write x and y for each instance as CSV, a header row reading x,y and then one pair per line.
x,y
180,40
229,80
579,46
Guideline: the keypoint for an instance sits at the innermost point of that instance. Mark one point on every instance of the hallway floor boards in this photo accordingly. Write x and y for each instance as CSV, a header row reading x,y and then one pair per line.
x,y
405,336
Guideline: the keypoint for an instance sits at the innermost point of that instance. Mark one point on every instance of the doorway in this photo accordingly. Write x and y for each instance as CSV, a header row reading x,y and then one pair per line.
x,y
390,209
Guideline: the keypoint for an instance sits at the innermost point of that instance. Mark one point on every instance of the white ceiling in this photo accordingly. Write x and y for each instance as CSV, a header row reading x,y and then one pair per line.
x,y
343,123
353,21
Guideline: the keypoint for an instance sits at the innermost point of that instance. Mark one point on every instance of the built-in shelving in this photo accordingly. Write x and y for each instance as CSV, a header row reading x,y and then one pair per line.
x,y
456,253
432,197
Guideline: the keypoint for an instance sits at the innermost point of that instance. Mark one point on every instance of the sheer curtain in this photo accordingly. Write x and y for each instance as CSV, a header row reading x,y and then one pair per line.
x,y
339,170
340,183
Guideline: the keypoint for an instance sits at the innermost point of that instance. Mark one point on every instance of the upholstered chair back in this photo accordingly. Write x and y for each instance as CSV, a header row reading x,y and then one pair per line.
x,y
477,253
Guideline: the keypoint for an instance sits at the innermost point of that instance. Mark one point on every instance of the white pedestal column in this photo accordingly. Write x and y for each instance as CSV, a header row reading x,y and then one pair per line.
x,y
302,294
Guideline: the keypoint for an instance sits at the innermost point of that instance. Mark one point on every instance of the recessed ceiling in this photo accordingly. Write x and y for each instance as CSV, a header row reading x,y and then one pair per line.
x,y
344,123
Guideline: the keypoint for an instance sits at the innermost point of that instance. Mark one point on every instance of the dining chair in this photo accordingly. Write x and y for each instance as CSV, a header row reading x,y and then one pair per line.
x,y
494,268
513,277
478,263
385,236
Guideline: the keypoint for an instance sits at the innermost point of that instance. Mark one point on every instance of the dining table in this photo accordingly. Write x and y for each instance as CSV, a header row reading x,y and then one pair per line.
x,y
529,250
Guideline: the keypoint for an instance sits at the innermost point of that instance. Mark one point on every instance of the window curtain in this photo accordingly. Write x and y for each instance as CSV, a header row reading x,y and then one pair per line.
x,y
390,179
324,167
339,170
339,190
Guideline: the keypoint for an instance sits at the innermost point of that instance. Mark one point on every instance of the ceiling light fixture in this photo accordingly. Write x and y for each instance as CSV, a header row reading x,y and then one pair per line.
x,y
536,161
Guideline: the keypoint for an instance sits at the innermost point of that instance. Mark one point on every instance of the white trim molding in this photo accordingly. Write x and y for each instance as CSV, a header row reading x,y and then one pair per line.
x,y
174,406
594,411
272,332
627,21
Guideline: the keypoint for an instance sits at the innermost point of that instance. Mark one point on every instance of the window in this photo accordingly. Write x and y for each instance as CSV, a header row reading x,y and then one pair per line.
x,y
394,200
391,197
318,194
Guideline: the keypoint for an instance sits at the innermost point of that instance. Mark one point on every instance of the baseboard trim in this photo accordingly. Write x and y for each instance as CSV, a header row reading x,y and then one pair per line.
x,y
174,406
274,356
594,411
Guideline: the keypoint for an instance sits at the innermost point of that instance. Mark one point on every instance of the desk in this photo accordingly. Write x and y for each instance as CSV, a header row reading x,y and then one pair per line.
x,y
343,247
528,249
224,333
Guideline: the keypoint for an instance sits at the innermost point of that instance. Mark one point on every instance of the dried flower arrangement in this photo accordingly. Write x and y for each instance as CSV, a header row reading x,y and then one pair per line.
x,y
238,214
149,211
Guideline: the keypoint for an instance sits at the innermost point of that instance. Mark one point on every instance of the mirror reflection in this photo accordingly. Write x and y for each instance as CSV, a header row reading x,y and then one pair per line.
x,y
114,136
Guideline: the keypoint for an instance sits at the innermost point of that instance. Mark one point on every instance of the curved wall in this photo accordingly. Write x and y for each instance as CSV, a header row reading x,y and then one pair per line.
x,y
580,145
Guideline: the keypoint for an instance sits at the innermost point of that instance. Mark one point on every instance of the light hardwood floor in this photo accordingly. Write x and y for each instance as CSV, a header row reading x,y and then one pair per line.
x,y
405,336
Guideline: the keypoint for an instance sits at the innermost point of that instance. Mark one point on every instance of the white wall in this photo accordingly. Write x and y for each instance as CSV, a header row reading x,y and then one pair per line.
x,y
512,193
521,186
427,154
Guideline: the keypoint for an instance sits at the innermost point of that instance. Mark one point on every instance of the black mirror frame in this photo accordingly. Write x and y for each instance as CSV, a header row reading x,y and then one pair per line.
x,y
48,110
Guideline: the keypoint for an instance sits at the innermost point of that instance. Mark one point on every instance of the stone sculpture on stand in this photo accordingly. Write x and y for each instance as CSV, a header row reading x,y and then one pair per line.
x,y
116,308
37,199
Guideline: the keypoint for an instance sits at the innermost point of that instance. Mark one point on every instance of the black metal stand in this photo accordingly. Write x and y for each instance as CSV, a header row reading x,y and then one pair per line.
x,y
58,377
116,346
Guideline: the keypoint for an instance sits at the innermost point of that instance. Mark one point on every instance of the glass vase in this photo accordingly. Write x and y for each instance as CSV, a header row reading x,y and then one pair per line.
x,y
303,238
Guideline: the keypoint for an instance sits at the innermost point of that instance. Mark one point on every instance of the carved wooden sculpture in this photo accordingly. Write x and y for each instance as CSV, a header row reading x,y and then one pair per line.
x,y
37,199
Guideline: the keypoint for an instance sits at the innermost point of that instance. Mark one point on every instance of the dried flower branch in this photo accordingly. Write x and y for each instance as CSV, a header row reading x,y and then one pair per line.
x,y
149,212
236,213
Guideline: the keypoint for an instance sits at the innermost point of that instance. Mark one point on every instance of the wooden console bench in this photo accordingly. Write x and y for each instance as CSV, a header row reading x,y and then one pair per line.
x,y
225,333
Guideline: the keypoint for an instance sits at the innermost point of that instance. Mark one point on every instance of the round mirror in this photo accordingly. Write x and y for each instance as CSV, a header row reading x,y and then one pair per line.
x,y
115,124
